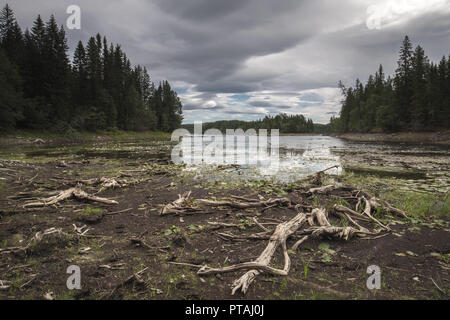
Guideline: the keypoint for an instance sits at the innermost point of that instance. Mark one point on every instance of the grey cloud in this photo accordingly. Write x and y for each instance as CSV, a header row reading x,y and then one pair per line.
x,y
272,50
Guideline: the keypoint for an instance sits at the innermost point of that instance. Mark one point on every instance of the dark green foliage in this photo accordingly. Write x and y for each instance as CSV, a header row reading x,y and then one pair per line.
x,y
11,99
41,89
283,122
416,99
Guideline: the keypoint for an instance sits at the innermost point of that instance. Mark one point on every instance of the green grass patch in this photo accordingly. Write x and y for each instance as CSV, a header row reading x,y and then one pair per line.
x,y
88,210
415,204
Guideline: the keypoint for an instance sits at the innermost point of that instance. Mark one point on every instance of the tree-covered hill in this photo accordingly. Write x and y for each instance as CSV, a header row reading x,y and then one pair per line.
x,y
40,88
416,98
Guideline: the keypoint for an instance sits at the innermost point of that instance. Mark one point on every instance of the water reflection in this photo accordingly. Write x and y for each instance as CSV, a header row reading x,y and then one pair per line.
x,y
297,157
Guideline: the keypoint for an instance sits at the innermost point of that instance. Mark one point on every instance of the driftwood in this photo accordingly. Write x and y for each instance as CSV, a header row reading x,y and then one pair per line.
x,y
75,192
106,183
37,238
354,214
178,206
279,238
377,203
322,190
301,227
367,212
250,203
321,228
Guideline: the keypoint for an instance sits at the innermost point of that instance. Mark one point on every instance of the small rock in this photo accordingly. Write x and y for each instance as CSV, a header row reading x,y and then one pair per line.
x,y
49,296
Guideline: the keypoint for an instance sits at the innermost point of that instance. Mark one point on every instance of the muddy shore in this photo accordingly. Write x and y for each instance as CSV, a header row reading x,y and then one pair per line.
x,y
437,138
127,249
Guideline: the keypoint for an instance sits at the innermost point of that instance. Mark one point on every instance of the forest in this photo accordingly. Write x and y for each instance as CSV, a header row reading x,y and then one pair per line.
x,y
41,89
416,98
285,123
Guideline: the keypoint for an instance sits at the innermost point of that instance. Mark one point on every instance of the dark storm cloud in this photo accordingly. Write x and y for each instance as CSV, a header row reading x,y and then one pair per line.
x,y
285,55
189,107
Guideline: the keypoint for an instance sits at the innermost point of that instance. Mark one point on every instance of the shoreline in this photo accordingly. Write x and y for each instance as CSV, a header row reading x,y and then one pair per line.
x,y
25,137
28,137
420,138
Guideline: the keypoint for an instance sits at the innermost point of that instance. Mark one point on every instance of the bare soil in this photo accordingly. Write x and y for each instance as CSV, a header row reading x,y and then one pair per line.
x,y
413,258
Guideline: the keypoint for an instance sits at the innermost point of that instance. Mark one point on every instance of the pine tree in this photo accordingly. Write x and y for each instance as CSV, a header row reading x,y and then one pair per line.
x,y
99,90
11,98
11,38
403,84
80,76
419,112
57,69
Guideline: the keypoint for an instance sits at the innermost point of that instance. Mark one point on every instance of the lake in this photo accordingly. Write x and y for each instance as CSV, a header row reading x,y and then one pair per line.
x,y
416,167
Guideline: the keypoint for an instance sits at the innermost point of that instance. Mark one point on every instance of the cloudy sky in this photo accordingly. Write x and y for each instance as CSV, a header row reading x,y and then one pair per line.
x,y
244,59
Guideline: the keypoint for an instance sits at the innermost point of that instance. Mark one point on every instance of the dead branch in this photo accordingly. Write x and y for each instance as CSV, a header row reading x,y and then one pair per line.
x,y
334,232
36,239
75,192
4,284
282,232
367,211
106,183
298,243
377,203
279,237
178,206
322,190
248,204
350,212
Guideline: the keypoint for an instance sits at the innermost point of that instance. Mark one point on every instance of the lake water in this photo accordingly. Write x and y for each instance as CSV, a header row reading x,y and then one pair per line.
x,y
415,167
422,167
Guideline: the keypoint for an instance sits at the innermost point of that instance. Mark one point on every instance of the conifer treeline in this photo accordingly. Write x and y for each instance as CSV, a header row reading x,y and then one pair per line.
x,y
285,123
40,88
417,98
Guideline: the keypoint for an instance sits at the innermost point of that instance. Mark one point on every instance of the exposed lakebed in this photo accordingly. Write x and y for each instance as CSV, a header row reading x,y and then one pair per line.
x,y
423,168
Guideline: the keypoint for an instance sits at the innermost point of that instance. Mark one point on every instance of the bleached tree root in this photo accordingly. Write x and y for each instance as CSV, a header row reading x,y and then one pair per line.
x,y
36,239
75,192
334,232
368,210
282,232
184,205
377,203
179,206
322,190
246,204
279,238
108,183
304,225
350,212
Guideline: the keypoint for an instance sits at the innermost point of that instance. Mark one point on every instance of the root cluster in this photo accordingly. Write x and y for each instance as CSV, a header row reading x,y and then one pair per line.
x,y
303,226
75,192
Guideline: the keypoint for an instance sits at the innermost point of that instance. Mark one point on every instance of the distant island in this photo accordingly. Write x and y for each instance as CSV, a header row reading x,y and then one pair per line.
x,y
283,122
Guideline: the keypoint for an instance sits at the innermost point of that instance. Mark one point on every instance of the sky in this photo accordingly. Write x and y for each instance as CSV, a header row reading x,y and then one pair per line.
x,y
245,59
